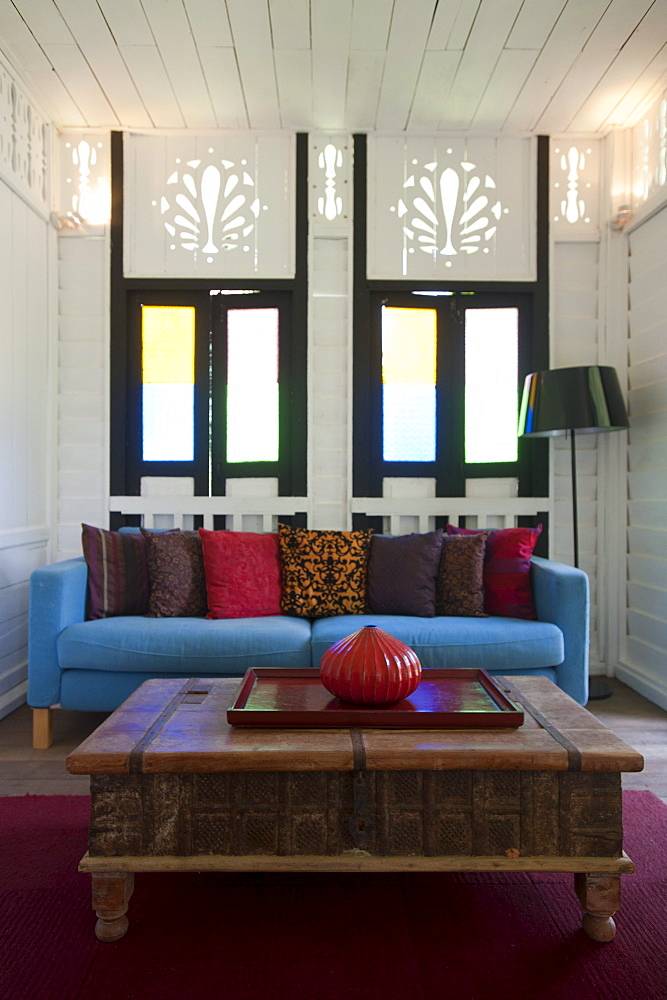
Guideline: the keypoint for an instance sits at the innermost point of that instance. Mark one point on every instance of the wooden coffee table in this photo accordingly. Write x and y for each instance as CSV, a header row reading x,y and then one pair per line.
x,y
175,788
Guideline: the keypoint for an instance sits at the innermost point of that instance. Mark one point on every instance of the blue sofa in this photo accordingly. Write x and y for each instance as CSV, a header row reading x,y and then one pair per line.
x,y
95,665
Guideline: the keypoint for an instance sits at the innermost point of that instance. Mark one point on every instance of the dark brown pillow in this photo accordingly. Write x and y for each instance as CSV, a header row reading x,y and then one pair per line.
x,y
460,584
176,572
401,574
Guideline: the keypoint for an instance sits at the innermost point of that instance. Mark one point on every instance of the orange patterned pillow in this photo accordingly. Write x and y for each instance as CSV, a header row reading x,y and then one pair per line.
x,y
323,572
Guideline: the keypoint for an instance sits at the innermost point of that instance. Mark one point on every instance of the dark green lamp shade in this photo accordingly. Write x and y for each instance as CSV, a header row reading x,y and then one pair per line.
x,y
584,399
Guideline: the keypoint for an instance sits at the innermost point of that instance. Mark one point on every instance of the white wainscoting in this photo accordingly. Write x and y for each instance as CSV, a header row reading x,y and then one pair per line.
x,y
21,551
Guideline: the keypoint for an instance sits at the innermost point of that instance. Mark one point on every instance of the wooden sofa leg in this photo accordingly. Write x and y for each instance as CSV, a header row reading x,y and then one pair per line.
x,y
42,728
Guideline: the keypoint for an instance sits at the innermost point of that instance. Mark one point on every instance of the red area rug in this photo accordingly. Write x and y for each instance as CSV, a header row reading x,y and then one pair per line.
x,y
326,937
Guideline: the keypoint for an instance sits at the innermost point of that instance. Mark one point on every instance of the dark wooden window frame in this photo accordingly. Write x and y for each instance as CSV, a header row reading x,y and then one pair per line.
x,y
449,470
126,464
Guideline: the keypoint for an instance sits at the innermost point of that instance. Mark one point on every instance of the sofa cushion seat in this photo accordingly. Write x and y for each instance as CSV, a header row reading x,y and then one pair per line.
x,y
185,646
498,644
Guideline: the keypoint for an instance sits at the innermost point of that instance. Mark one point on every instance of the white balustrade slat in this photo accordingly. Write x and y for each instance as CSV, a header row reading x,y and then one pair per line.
x,y
401,513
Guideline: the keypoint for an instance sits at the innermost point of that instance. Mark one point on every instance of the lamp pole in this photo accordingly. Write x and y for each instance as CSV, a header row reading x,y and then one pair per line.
x,y
575,520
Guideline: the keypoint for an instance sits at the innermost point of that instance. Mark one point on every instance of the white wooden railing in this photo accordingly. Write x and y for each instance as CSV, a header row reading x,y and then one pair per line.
x,y
471,512
261,513
241,513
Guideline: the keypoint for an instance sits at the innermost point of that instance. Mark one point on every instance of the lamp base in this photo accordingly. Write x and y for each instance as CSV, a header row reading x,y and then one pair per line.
x,y
599,688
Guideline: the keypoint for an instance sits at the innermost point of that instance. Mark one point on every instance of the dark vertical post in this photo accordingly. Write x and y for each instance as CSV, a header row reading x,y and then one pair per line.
x,y
575,521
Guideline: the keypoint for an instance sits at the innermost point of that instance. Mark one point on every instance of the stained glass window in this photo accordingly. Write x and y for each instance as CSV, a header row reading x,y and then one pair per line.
x,y
252,385
491,377
168,376
409,345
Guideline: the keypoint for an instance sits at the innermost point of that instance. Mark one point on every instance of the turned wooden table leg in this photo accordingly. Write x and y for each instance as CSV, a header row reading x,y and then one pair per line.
x,y
600,897
111,895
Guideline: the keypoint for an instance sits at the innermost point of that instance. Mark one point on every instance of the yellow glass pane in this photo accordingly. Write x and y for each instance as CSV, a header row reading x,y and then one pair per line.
x,y
168,344
409,338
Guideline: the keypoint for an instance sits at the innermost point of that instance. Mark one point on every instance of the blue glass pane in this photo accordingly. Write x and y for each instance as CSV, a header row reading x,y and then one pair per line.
x,y
408,413
168,422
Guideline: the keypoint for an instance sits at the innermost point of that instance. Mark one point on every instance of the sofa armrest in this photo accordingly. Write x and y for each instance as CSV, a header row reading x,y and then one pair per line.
x,y
561,596
57,599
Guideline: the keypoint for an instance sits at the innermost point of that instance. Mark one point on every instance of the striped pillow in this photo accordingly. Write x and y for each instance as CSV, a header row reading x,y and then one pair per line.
x,y
118,582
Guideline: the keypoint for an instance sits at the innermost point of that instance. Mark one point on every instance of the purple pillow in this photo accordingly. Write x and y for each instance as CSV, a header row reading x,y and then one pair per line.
x,y
402,572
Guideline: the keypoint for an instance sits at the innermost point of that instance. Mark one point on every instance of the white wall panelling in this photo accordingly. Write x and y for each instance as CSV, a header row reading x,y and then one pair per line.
x,y
26,427
209,205
451,207
575,335
644,664
83,374
330,331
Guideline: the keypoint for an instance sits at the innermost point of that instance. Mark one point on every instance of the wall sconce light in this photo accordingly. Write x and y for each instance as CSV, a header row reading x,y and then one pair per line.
x,y
623,218
69,222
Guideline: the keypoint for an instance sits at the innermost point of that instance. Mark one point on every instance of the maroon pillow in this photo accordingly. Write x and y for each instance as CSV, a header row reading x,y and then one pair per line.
x,y
507,588
242,573
176,573
460,583
118,582
402,571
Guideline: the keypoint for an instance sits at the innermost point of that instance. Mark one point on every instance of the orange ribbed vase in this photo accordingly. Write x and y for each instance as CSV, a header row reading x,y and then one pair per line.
x,y
370,667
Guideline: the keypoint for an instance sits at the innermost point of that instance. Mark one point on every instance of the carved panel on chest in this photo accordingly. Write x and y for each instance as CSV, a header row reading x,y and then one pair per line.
x,y
387,813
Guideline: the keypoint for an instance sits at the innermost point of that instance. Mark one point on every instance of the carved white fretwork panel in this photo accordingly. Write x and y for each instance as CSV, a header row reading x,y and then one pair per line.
x,y
575,188
649,154
24,142
451,207
209,205
85,177
330,180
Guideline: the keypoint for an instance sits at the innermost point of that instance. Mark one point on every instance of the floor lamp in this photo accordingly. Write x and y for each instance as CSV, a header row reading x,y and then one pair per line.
x,y
585,399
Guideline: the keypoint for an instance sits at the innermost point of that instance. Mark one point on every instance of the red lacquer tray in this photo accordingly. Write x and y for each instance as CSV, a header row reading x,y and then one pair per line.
x,y
445,699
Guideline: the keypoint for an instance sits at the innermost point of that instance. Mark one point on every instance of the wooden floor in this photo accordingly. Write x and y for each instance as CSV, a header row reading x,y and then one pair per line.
x,y
42,772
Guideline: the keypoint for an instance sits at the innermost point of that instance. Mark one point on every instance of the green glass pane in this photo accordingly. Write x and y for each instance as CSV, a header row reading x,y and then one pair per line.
x,y
491,373
252,385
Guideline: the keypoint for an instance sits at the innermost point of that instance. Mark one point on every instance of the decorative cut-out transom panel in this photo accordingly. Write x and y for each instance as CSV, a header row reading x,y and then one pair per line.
x,y
330,182
451,207
23,141
575,187
85,175
218,206
649,156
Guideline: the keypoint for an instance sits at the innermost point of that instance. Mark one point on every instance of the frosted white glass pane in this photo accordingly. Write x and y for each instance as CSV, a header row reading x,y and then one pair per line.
x,y
168,422
491,373
252,385
409,413
252,424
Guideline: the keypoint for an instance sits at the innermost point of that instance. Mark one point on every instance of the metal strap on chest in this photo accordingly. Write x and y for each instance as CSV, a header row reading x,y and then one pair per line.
x,y
361,822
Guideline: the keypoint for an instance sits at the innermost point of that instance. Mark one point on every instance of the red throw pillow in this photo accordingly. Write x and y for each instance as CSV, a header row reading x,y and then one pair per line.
x,y
242,573
507,588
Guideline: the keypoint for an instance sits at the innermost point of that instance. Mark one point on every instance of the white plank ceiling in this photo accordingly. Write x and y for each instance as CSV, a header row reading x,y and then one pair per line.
x,y
536,66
